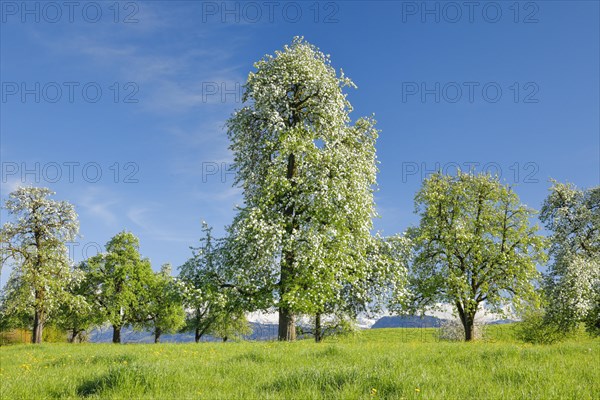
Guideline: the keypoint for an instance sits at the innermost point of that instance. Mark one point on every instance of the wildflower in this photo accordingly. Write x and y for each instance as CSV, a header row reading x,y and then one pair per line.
x,y
417,390
373,392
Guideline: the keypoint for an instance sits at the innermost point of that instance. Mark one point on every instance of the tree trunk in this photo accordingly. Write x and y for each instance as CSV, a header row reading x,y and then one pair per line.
x,y
318,328
224,339
38,326
116,334
468,325
287,325
74,333
467,318
287,321
197,335
157,333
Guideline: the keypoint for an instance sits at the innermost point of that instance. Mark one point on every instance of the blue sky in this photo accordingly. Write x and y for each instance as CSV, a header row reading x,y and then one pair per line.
x,y
504,88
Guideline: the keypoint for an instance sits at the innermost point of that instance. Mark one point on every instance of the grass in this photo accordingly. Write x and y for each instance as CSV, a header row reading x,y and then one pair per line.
x,y
382,363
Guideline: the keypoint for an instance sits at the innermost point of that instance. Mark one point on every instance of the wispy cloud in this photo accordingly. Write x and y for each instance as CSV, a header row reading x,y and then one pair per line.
x,y
145,217
99,204
171,77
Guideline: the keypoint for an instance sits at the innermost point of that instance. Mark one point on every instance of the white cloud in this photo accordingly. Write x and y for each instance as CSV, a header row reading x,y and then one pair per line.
x,y
145,217
99,204
171,79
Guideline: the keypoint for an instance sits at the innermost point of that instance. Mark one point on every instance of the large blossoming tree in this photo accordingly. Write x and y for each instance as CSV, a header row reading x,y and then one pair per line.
x,y
308,175
573,279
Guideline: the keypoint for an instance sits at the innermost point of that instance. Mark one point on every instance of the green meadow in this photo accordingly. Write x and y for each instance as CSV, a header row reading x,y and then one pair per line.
x,y
382,363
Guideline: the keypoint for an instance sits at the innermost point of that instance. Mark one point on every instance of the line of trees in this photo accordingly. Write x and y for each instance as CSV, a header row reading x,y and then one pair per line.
x,y
302,241
475,245
117,286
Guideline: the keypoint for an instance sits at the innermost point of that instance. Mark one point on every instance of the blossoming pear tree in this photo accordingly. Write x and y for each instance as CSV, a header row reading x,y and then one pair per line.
x,y
308,176
474,245
35,245
211,301
573,280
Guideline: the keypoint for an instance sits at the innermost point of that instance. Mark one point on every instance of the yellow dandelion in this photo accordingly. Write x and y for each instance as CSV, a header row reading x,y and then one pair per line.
x,y
417,390
373,392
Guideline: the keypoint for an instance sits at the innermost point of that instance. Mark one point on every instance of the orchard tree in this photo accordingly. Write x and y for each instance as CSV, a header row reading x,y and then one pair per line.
x,y
308,177
380,288
573,279
120,281
474,245
35,245
79,315
206,295
230,324
163,309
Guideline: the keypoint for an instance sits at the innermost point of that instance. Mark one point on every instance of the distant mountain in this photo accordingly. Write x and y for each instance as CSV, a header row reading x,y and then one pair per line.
x,y
263,331
408,321
414,321
128,335
501,322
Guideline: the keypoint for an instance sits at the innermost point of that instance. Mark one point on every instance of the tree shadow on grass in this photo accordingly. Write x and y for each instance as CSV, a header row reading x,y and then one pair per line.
x,y
333,383
130,378
322,380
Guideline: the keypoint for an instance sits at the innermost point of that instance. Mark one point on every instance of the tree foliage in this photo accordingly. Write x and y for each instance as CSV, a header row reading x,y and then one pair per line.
x,y
572,282
308,176
120,280
380,289
35,245
79,316
230,324
163,310
208,297
474,244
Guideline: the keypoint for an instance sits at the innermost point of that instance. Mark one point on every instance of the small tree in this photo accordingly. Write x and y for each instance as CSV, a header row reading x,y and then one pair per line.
x,y
572,284
381,286
35,245
78,316
230,324
474,244
120,280
534,328
163,311
207,298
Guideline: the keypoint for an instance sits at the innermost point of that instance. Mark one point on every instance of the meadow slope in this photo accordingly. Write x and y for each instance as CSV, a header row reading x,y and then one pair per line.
x,y
382,363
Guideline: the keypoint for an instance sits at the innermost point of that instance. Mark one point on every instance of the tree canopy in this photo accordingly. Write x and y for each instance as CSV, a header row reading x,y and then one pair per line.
x,y
35,246
573,279
308,177
120,280
474,244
